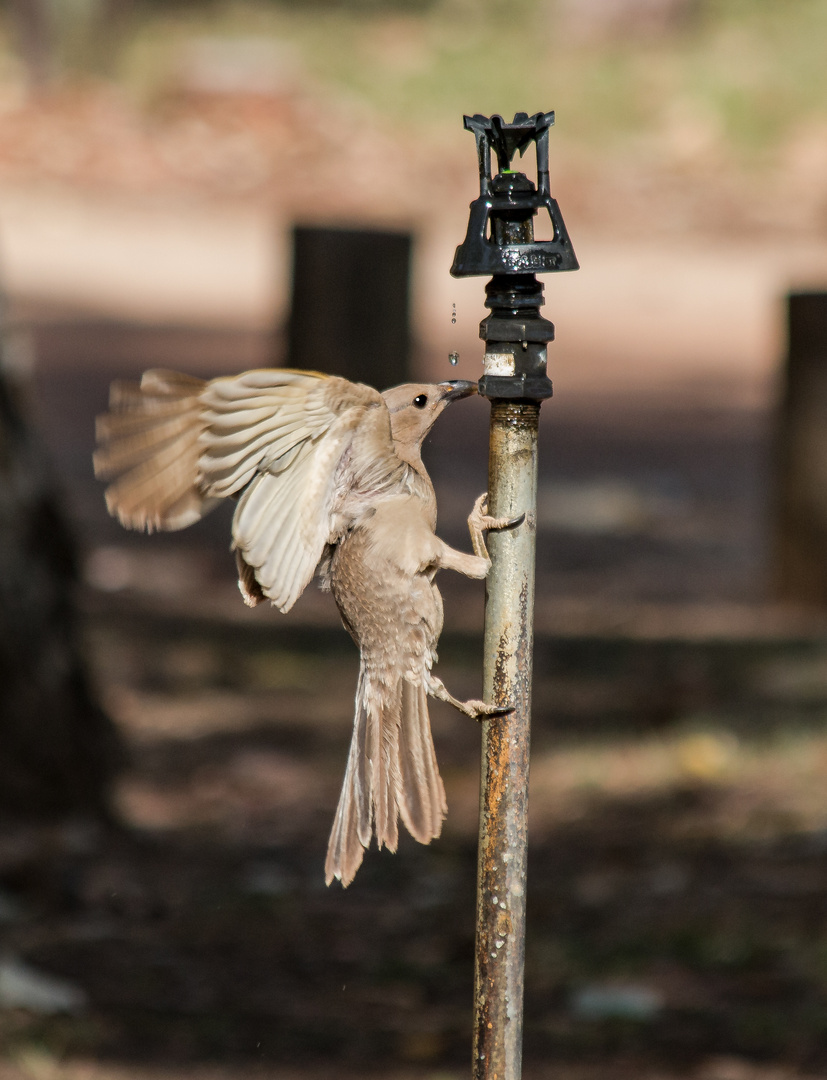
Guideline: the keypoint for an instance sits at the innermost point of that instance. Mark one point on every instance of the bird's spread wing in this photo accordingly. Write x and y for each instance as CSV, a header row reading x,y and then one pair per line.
x,y
281,440
286,440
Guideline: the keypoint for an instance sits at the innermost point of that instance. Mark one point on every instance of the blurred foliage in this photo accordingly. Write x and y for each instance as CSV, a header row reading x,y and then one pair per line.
x,y
721,73
716,77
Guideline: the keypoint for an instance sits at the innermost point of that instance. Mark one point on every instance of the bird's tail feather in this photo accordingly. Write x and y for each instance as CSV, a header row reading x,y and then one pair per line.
x,y
391,772
352,830
422,805
384,708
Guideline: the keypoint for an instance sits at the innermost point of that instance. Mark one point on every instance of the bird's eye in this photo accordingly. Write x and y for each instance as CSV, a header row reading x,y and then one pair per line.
x,y
421,400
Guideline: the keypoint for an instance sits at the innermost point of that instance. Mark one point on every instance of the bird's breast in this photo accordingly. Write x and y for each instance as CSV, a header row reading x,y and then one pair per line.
x,y
381,577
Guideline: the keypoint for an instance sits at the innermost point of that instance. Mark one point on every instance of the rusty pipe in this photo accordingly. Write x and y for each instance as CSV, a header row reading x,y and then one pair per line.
x,y
509,630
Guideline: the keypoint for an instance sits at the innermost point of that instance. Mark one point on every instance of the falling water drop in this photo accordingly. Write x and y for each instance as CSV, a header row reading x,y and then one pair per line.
x,y
453,358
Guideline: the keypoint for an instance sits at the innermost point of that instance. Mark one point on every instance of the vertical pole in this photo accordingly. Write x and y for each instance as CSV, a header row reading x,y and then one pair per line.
x,y
500,241
503,839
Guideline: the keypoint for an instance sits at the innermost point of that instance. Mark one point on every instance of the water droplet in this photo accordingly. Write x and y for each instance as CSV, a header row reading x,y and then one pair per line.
x,y
453,358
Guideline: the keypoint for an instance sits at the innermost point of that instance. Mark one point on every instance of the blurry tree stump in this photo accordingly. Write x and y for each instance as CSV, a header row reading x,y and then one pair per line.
x,y
58,750
800,569
350,305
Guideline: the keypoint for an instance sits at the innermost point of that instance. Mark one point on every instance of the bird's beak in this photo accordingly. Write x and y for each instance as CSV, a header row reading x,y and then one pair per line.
x,y
454,389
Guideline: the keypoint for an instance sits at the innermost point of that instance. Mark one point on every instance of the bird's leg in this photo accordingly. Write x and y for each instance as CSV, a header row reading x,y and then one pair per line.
x,y
477,710
479,522
476,566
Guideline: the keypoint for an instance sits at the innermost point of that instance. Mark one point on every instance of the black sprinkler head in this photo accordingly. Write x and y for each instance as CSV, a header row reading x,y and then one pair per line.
x,y
500,242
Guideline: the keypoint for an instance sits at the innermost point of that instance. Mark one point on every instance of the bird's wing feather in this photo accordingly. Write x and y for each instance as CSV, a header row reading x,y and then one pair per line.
x,y
149,444
280,439
283,438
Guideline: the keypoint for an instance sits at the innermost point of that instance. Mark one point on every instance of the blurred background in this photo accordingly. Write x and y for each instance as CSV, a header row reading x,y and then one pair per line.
x,y
214,186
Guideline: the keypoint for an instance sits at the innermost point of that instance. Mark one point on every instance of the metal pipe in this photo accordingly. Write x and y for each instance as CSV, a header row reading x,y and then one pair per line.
x,y
503,836
516,382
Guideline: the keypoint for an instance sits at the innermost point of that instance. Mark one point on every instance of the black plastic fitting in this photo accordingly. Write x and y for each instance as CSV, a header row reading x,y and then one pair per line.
x,y
500,241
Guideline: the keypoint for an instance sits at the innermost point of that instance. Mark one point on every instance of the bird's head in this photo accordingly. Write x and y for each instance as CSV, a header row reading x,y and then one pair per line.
x,y
415,406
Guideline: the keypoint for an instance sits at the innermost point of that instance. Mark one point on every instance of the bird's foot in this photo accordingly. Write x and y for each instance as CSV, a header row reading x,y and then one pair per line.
x,y
482,520
477,710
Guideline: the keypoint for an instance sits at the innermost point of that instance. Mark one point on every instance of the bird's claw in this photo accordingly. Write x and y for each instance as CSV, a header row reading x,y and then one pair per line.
x,y
513,522
497,711
480,710
486,523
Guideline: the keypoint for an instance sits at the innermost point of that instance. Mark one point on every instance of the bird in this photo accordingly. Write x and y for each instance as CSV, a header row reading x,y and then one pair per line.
x,y
328,480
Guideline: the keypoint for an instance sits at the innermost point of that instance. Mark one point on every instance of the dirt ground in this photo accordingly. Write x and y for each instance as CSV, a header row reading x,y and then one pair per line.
x,y
678,863
679,758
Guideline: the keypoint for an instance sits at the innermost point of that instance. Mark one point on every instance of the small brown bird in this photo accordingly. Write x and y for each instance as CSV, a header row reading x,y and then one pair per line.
x,y
328,477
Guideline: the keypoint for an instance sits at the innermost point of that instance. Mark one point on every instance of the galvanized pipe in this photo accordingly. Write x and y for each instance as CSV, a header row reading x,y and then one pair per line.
x,y
503,837
500,241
